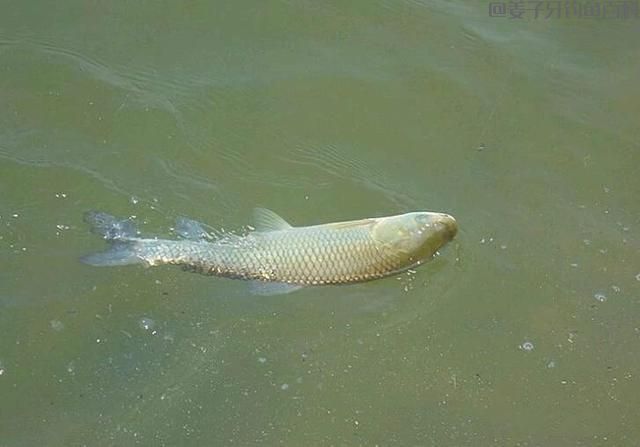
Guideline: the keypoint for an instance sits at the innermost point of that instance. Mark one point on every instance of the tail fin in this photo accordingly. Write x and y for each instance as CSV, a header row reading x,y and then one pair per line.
x,y
119,234
109,227
120,253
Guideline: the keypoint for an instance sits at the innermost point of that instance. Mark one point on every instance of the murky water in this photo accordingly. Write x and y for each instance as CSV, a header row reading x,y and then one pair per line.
x,y
525,331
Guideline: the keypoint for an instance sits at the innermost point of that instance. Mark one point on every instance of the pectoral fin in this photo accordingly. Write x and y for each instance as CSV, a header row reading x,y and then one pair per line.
x,y
264,288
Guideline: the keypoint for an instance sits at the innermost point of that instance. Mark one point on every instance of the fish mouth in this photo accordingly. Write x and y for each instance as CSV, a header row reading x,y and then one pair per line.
x,y
447,224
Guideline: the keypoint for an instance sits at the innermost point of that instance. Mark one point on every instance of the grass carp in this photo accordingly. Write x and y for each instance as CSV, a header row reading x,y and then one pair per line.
x,y
279,257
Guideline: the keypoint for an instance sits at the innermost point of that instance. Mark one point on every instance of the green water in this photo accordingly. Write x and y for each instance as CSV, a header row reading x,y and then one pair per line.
x,y
526,131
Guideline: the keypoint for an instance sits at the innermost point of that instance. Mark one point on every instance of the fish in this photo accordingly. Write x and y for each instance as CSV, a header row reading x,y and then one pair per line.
x,y
277,257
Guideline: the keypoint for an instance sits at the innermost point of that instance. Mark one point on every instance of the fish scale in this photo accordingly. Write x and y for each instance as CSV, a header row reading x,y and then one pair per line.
x,y
309,257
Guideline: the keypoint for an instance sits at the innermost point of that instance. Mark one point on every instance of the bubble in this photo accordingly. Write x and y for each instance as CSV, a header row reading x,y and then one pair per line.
x,y
2,370
600,297
638,277
527,346
56,325
551,364
262,359
616,288
146,324
284,386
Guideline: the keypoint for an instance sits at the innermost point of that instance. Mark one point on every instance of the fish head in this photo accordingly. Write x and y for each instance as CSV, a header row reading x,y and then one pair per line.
x,y
415,236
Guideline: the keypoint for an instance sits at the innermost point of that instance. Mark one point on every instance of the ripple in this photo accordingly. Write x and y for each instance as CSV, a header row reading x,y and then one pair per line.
x,y
338,161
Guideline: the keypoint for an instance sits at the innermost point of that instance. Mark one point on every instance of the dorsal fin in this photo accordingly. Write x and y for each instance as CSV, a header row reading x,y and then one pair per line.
x,y
267,220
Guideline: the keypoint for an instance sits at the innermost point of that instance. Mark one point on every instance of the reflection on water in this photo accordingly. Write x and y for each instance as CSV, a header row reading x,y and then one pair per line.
x,y
523,331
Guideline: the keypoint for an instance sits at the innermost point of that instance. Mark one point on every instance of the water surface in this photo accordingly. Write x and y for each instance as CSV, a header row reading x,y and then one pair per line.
x,y
524,331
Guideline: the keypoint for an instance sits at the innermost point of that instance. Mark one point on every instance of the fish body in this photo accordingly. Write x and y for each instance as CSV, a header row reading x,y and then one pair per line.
x,y
276,252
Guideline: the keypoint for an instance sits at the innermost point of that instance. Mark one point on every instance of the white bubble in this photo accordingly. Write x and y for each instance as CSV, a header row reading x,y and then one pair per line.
x,y
527,346
551,364
56,325
284,386
1,369
616,288
638,277
600,297
262,359
146,324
